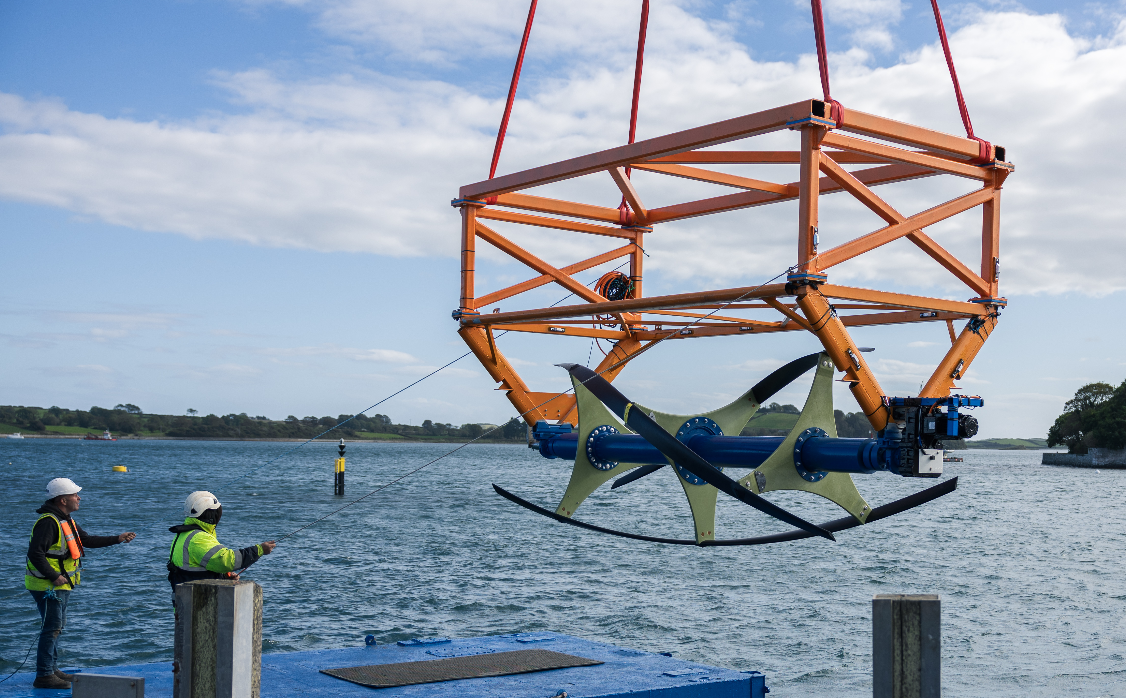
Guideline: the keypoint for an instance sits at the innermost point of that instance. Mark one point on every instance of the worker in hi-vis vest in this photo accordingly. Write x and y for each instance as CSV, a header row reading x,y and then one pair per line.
x,y
197,554
53,570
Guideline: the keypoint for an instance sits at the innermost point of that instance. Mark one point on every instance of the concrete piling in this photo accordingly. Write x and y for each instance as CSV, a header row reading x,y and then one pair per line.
x,y
906,646
218,644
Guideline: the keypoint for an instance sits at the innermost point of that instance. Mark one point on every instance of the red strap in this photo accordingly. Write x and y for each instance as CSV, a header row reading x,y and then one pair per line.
x,y
984,148
637,69
625,216
836,110
511,93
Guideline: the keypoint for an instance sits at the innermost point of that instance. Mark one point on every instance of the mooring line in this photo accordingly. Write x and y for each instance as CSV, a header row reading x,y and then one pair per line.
x,y
337,426
471,441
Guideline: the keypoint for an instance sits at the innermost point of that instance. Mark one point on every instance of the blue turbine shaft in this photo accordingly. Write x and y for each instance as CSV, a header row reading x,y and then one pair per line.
x,y
818,453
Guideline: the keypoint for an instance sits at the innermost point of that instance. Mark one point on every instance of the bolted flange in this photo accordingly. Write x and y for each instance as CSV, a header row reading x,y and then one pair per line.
x,y
592,440
692,427
808,475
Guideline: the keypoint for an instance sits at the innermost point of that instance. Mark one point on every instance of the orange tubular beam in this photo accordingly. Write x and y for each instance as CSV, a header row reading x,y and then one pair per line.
x,y
559,207
901,300
906,134
808,192
468,255
569,330
673,302
957,361
773,303
881,208
887,152
752,157
485,301
700,175
991,233
628,192
699,137
869,242
502,372
846,355
556,223
516,252
731,202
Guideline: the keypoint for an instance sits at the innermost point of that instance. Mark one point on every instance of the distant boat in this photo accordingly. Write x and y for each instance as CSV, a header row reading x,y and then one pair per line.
x,y
106,436
17,435
951,459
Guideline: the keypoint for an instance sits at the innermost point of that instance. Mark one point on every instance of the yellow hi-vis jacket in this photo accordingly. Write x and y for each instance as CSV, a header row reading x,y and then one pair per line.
x,y
198,550
58,557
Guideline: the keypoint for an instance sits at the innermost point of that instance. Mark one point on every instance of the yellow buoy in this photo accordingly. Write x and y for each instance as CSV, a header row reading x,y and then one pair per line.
x,y
120,469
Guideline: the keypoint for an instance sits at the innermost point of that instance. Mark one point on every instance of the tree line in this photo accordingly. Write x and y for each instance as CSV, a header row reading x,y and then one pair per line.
x,y
1095,417
128,419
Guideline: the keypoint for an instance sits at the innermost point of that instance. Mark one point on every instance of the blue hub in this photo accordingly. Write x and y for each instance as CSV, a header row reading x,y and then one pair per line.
x,y
808,475
592,441
697,426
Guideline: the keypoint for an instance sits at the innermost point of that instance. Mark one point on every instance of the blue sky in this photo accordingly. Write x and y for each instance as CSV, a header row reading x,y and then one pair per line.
x,y
242,206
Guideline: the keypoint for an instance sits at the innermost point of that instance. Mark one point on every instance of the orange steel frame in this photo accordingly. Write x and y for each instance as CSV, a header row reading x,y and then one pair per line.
x,y
891,151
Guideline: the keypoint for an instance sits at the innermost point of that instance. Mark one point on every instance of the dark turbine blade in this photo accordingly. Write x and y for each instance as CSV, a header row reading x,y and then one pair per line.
x,y
765,388
637,475
762,392
680,454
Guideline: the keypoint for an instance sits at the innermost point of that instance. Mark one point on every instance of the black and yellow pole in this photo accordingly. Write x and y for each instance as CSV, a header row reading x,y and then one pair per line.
x,y
338,487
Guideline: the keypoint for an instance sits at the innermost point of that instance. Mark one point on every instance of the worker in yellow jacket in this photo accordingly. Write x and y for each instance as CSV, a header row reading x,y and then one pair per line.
x,y
197,554
53,570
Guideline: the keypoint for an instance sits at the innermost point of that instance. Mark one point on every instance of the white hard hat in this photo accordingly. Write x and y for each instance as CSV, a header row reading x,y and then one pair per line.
x,y
60,486
199,502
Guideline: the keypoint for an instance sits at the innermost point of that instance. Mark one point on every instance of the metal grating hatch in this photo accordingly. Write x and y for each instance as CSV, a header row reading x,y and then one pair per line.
x,y
453,668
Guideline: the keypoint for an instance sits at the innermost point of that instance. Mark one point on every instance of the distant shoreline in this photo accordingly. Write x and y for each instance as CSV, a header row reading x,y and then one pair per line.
x,y
328,440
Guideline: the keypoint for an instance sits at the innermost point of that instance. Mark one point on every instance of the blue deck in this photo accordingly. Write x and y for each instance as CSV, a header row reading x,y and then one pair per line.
x,y
625,673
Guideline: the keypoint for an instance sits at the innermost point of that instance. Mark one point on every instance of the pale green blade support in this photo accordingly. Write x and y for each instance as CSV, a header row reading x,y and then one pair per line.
x,y
585,478
702,497
779,471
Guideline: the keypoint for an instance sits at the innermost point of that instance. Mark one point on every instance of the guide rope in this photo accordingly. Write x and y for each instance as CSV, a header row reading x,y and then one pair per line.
x,y
33,644
511,95
639,62
836,110
984,148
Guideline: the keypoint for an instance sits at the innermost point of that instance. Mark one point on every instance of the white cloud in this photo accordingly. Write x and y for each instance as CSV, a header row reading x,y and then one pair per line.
x,y
367,163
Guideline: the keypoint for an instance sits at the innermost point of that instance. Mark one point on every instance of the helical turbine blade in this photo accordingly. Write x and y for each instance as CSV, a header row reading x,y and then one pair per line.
x,y
763,391
765,388
678,452
637,474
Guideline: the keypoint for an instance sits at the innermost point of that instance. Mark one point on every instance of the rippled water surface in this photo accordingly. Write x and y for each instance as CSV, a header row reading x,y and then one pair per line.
x,y
1027,559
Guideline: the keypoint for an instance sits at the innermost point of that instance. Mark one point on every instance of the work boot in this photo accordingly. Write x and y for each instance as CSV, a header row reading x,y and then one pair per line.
x,y
64,676
50,681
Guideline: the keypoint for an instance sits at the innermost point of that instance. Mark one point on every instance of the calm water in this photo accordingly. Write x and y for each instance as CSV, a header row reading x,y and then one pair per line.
x,y
1027,558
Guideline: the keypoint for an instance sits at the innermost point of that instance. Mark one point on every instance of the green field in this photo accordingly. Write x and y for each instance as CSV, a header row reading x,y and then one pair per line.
x,y
1009,444
380,437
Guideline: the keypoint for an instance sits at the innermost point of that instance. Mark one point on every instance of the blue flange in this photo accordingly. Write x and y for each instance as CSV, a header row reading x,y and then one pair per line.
x,y
808,475
592,439
695,427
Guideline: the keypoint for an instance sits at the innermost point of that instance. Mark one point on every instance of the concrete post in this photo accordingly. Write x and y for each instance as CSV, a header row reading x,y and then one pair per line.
x,y
218,645
906,646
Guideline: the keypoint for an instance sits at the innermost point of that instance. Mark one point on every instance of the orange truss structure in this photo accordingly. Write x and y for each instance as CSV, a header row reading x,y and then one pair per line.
x,y
888,151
